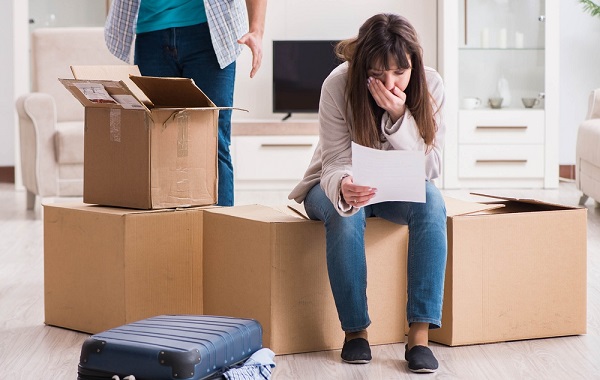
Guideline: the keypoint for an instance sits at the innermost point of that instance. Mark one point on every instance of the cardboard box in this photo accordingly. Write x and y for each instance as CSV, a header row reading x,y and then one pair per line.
x,y
104,267
150,146
516,270
262,263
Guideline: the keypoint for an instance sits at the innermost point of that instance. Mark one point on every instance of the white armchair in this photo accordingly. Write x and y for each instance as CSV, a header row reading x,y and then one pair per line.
x,y
587,160
50,118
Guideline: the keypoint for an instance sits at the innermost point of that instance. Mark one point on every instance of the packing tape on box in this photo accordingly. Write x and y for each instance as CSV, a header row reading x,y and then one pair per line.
x,y
182,119
115,124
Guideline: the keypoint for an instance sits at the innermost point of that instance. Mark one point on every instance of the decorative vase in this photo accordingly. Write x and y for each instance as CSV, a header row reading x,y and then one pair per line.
x,y
504,91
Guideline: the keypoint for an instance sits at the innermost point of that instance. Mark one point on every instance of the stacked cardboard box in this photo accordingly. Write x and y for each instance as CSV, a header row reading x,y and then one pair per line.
x,y
107,266
149,144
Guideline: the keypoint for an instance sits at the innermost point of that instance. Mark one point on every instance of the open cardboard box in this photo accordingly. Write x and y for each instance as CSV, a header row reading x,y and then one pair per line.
x,y
516,270
149,142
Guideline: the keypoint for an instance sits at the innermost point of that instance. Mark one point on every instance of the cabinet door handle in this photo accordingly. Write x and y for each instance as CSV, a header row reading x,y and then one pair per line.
x,y
267,145
506,127
500,161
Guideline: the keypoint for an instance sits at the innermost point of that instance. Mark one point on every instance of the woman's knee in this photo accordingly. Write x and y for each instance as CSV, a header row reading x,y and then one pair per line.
x,y
434,199
346,225
319,207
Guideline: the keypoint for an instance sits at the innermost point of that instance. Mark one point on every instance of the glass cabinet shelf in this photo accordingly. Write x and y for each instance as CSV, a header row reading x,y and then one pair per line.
x,y
501,42
501,53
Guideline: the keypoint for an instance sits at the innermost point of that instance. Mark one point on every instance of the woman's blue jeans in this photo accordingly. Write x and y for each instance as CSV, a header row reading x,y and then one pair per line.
x,y
188,52
346,261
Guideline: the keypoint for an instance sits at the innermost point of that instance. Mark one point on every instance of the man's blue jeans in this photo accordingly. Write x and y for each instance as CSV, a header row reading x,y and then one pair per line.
x,y
188,52
346,261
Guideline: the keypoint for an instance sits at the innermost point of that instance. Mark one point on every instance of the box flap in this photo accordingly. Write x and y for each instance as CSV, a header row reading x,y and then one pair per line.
x,y
267,214
298,209
524,200
172,92
456,207
112,72
103,93
120,210
289,209
101,209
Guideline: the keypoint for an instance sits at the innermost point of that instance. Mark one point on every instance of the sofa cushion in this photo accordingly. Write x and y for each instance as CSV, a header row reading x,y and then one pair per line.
x,y
588,141
70,180
68,143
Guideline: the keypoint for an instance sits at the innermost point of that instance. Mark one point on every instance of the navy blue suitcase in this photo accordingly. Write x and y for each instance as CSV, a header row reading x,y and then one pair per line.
x,y
170,347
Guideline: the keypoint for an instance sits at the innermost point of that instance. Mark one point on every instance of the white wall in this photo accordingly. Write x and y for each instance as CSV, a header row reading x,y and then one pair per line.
x,y
579,72
14,74
7,89
20,78
326,20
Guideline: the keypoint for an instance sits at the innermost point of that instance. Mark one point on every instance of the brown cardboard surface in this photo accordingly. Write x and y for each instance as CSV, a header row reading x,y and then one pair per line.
x,y
515,272
146,156
112,72
524,201
114,88
265,264
117,163
104,267
183,158
456,207
172,92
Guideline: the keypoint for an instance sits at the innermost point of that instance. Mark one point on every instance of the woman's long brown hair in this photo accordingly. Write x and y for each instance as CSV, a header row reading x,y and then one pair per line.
x,y
379,38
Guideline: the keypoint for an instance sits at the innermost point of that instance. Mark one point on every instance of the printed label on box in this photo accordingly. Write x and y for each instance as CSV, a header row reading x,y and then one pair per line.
x,y
128,102
95,93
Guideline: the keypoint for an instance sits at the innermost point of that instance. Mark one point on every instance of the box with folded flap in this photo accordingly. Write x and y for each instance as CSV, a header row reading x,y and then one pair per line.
x,y
149,142
516,270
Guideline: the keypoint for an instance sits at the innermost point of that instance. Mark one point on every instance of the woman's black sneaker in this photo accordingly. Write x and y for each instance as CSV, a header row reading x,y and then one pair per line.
x,y
420,359
356,351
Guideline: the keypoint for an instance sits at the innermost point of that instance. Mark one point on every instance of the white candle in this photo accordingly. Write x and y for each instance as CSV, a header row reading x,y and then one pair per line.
x,y
519,40
485,38
502,38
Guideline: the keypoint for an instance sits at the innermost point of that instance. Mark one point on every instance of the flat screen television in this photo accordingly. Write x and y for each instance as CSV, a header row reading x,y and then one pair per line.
x,y
299,68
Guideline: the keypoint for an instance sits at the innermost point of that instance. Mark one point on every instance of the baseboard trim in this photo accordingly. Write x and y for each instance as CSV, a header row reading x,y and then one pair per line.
x,y
566,171
7,174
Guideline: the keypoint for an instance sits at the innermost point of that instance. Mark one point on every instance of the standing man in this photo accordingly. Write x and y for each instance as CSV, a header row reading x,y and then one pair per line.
x,y
198,39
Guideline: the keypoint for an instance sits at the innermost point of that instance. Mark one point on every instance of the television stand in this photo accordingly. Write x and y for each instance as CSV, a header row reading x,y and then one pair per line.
x,y
287,116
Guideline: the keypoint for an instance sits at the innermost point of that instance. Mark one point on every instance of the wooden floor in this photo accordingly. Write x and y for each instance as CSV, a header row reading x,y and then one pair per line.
x,y
31,350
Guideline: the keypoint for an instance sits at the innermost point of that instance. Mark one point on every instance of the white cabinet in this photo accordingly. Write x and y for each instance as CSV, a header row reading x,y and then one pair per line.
x,y
497,148
268,166
484,46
